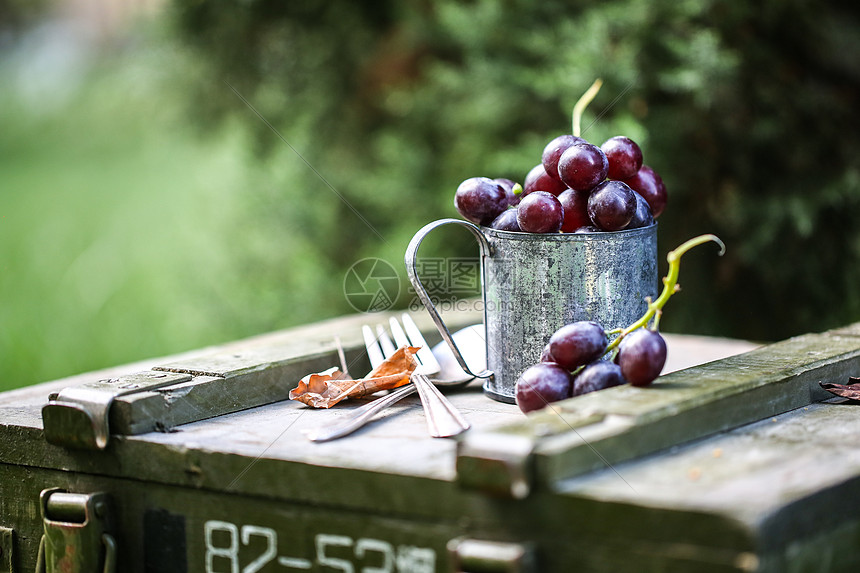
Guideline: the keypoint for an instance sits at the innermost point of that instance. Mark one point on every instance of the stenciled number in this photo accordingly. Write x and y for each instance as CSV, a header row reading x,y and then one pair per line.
x,y
231,552
271,546
405,558
322,541
363,546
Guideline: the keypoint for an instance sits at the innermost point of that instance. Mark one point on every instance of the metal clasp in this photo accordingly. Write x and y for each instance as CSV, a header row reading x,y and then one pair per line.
x,y
77,417
77,536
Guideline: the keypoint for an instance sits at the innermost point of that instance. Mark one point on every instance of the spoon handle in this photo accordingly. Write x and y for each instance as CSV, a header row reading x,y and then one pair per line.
x,y
359,418
443,419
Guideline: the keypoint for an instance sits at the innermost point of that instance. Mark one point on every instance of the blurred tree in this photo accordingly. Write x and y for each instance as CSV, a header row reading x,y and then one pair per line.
x,y
17,14
749,112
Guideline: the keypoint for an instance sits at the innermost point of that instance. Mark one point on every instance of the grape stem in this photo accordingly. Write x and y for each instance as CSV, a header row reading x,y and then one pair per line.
x,y
582,103
670,287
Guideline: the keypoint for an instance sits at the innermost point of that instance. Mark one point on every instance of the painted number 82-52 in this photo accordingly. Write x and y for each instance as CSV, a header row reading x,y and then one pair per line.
x,y
223,540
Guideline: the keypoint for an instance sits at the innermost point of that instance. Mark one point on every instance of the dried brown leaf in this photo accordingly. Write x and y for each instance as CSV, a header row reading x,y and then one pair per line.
x,y
850,390
325,389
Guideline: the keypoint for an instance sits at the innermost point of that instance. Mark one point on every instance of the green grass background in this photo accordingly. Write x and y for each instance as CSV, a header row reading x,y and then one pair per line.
x,y
123,233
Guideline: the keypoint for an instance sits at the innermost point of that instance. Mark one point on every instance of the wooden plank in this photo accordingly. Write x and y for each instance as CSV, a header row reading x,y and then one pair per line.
x,y
257,372
790,478
77,416
242,449
754,507
680,407
235,376
408,450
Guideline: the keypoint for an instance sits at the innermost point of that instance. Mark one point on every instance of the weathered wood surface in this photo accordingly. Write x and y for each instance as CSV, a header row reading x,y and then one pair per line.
x,y
587,433
234,376
215,452
793,478
280,359
775,494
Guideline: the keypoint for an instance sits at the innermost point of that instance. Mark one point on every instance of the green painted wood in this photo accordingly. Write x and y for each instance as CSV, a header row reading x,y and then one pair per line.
x,y
588,432
255,372
794,479
764,503
312,533
215,452
78,416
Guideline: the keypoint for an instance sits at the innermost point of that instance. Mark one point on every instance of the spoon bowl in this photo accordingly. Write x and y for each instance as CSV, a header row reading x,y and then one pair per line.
x,y
470,341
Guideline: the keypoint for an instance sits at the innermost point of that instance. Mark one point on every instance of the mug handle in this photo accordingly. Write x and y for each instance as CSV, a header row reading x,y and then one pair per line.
x,y
412,272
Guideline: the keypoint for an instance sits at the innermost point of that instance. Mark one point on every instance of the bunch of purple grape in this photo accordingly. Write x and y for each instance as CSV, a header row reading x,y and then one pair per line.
x,y
577,188
578,359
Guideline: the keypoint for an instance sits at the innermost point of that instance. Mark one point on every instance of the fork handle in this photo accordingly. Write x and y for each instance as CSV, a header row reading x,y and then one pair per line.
x,y
359,418
443,419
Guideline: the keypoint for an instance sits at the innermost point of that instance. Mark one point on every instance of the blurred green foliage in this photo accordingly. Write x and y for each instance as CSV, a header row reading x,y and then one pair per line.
x,y
127,231
748,110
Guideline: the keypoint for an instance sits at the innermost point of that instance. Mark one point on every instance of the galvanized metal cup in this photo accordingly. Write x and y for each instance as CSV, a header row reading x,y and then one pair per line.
x,y
533,284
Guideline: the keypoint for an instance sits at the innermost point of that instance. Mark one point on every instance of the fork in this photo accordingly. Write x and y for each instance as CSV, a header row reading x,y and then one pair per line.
x,y
443,420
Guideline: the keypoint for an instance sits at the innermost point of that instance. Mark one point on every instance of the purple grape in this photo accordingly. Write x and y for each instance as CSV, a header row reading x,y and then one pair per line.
x,y
540,385
597,376
507,221
642,217
480,200
577,343
508,186
641,356
553,150
582,166
650,185
540,212
612,205
575,204
624,156
538,180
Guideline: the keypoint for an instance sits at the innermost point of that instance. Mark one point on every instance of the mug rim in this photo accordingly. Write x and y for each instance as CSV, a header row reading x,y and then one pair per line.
x,y
568,237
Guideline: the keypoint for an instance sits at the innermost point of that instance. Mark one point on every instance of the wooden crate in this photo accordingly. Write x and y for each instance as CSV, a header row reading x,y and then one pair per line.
x,y
738,464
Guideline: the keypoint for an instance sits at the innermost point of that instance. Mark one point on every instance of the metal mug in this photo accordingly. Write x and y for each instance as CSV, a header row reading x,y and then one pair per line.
x,y
533,284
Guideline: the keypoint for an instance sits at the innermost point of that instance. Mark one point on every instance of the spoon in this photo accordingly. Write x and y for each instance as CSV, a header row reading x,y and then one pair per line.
x,y
469,340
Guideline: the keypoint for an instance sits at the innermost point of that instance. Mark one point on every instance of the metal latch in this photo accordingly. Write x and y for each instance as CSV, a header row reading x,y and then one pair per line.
x,y
481,556
6,545
77,536
77,417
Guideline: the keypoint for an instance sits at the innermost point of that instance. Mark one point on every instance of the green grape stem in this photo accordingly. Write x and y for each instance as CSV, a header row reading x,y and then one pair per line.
x,y
670,287
582,103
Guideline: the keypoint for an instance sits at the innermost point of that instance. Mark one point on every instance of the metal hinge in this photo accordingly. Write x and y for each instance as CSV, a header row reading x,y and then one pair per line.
x,y
77,417
77,536
481,556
